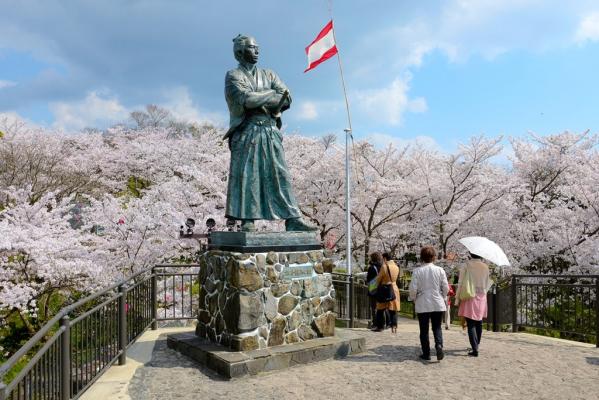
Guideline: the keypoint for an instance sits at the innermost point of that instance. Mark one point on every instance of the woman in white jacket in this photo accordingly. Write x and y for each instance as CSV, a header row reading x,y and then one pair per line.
x,y
428,290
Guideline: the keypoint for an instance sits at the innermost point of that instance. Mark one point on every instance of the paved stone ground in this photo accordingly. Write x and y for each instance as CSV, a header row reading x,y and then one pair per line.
x,y
514,366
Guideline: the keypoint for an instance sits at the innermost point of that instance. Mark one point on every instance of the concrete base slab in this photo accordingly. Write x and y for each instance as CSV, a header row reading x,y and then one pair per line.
x,y
235,364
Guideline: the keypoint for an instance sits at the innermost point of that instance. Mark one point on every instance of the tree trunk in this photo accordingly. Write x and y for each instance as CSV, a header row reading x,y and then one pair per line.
x,y
442,240
27,324
366,250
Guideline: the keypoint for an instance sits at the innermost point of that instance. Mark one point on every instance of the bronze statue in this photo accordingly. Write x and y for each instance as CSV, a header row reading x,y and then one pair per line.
x,y
259,182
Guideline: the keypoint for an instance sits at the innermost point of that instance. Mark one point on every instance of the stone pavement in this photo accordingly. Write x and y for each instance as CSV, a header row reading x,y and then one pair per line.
x,y
514,366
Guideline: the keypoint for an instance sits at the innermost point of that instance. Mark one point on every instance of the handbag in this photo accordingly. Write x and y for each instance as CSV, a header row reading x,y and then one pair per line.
x,y
467,290
372,287
373,284
385,293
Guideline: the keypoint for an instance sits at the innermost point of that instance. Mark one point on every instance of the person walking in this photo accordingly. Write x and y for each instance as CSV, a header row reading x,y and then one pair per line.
x,y
428,290
450,296
474,309
374,267
386,312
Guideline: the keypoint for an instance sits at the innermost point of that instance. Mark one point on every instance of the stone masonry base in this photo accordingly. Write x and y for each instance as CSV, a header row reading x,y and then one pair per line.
x,y
235,364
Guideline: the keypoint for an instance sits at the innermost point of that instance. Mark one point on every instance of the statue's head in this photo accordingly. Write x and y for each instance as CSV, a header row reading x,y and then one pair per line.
x,y
245,49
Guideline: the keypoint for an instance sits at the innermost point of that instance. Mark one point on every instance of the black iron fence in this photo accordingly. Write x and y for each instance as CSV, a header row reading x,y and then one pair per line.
x,y
177,292
499,303
76,346
346,288
557,305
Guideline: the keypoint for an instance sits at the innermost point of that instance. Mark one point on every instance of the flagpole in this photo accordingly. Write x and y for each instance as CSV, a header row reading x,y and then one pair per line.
x,y
348,136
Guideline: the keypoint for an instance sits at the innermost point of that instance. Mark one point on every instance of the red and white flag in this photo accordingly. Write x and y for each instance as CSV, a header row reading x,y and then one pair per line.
x,y
322,48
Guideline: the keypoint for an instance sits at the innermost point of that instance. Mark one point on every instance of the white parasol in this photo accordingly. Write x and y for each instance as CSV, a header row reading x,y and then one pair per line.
x,y
485,248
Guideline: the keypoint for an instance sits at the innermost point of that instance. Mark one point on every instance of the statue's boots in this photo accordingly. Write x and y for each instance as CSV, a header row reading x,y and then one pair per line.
x,y
297,224
247,225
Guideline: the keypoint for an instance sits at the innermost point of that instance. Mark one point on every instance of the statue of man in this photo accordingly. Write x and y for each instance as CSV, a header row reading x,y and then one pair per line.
x,y
259,182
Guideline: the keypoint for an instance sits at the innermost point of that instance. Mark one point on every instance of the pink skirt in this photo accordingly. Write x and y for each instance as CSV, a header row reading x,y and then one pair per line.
x,y
475,308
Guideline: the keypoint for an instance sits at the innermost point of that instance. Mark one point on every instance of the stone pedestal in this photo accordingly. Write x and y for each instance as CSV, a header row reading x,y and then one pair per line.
x,y
255,300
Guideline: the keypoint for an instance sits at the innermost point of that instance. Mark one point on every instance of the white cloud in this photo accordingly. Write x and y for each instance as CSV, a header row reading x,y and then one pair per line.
x,y
588,29
374,49
391,102
12,122
307,111
491,27
93,111
313,110
459,29
5,84
418,105
181,105
179,102
100,110
10,116
384,139
463,28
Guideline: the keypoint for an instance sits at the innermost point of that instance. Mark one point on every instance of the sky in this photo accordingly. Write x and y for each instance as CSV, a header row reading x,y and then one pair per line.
x,y
433,72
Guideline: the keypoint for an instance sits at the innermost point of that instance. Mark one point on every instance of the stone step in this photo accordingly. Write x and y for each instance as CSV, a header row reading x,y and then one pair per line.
x,y
236,364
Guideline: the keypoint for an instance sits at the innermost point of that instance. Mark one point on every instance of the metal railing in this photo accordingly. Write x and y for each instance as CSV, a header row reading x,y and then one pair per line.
x,y
566,306
498,303
77,345
347,289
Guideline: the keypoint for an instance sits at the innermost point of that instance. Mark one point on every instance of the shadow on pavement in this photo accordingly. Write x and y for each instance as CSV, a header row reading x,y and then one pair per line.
x,y
456,353
387,353
593,360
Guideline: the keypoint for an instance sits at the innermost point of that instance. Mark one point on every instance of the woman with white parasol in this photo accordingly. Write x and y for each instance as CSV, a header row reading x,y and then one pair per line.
x,y
473,284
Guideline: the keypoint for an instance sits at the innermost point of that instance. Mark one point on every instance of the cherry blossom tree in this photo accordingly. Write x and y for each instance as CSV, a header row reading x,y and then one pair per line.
x,y
458,188
316,167
383,191
47,162
42,256
79,212
552,209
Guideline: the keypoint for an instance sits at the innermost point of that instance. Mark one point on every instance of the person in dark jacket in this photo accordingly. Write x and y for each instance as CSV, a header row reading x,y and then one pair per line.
x,y
374,267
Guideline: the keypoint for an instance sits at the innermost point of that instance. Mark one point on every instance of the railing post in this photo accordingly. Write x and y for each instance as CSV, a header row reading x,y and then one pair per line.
x,y
65,359
200,288
514,305
122,325
494,307
2,390
154,303
597,311
351,301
